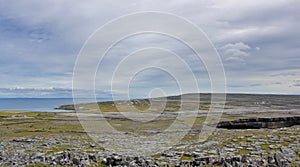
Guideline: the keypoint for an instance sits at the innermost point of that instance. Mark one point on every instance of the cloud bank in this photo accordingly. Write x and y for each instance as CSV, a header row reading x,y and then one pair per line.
x,y
257,41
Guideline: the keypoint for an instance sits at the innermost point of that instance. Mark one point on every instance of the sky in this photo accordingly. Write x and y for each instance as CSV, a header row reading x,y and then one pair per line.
x,y
258,42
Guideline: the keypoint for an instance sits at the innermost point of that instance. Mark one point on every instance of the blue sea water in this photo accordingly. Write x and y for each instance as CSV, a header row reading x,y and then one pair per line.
x,y
38,104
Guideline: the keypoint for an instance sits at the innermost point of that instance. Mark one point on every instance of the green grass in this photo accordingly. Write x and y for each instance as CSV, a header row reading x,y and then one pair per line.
x,y
37,123
157,155
60,148
186,158
190,138
98,165
43,165
37,165
7,113
268,149
138,105
243,151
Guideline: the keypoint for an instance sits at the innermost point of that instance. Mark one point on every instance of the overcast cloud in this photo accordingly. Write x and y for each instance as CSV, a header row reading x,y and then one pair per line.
x,y
258,42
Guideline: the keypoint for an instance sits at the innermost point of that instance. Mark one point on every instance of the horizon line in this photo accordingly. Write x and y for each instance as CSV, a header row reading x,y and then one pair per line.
x,y
227,93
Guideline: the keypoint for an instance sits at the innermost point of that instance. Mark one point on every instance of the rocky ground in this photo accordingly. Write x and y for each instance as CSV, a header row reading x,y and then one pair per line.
x,y
256,147
58,139
275,147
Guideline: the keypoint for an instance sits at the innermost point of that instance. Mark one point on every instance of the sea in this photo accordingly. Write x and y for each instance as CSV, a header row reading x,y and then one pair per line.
x,y
40,104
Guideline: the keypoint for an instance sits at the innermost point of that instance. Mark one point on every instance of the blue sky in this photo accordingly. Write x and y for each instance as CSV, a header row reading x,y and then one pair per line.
x,y
258,43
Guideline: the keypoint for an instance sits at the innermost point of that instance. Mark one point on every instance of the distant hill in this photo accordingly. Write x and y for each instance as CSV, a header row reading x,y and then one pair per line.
x,y
173,103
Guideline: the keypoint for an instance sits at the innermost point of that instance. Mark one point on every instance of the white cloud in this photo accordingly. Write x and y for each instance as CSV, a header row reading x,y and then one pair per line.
x,y
235,51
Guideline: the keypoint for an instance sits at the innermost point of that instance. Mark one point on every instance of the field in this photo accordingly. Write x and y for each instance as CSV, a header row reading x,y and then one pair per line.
x,y
42,138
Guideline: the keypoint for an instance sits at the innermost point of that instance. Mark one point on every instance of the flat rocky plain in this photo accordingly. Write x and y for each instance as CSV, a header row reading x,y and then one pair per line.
x,y
59,139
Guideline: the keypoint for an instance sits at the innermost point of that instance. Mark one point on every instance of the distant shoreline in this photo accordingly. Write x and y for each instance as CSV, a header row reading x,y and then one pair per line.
x,y
59,104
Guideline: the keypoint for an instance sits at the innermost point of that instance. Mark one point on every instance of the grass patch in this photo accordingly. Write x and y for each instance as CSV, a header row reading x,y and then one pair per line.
x,y
243,151
21,124
60,148
157,155
190,138
37,165
186,158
